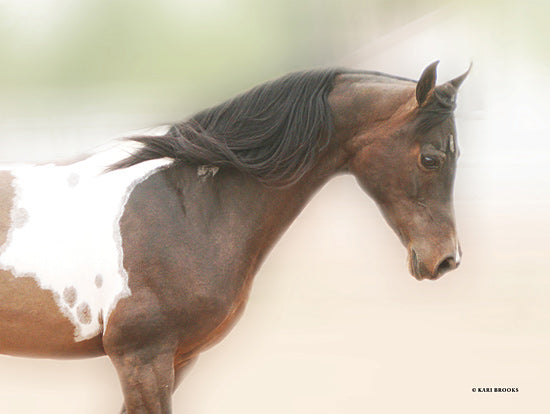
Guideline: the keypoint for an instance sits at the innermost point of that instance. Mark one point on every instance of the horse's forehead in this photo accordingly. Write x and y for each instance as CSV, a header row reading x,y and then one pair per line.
x,y
442,136
449,138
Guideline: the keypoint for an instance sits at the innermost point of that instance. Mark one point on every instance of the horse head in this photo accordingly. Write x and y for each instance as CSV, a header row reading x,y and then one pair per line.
x,y
403,151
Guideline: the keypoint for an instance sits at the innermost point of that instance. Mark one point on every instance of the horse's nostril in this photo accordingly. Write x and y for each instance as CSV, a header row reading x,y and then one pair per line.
x,y
446,265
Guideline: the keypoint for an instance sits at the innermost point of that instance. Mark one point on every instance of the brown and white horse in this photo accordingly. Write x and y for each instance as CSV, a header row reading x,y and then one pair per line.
x,y
145,251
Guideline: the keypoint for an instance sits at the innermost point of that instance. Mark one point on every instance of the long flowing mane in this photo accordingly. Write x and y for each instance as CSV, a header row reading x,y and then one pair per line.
x,y
273,132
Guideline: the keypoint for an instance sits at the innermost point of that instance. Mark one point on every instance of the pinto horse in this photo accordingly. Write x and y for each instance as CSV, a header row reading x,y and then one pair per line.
x,y
145,251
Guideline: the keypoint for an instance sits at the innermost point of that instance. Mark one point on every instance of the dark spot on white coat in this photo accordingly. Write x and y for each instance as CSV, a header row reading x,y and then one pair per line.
x,y
99,281
84,313
70,296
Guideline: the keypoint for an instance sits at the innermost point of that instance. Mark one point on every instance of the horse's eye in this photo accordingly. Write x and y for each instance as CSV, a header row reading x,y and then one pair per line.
x,y
430,162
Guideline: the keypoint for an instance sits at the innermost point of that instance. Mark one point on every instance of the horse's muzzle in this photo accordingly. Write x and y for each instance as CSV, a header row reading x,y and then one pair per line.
x,y
420,270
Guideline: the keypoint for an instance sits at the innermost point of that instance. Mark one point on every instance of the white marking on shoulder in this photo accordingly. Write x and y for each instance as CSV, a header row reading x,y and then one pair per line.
x,y
65,232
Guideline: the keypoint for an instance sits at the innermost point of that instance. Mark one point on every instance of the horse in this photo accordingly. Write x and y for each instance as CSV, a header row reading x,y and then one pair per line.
x,y
145,250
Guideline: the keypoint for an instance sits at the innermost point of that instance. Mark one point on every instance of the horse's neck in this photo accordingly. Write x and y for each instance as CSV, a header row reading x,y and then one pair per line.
x,y
269,211
245,216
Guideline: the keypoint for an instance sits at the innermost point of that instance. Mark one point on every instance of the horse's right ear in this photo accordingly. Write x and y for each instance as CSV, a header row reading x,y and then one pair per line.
x,y
426,83
456,82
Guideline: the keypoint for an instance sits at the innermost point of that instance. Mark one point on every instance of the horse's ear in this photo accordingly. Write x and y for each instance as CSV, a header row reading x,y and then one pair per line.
x,y
426,83
456,82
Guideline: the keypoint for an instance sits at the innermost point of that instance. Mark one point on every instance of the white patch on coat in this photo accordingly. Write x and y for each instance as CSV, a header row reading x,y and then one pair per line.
x,y
65,232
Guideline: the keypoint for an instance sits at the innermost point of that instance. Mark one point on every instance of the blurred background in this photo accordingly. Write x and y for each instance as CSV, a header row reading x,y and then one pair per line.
x,y
335,323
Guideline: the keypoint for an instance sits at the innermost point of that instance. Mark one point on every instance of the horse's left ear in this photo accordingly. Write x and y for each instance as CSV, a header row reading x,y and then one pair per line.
x,y
456,82
426,83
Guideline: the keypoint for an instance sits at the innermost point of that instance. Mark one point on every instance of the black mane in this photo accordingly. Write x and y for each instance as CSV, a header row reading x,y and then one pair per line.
x,y
273,132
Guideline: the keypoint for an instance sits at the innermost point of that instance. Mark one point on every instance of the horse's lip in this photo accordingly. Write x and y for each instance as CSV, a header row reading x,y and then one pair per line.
x,y
414,266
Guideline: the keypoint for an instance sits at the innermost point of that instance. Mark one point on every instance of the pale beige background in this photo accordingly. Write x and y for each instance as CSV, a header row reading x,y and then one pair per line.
x,y
335,323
